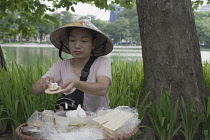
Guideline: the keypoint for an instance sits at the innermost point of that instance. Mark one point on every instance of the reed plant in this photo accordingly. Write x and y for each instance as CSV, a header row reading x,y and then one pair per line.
x,y
126,83
17,102
205,124
3,119
191,119
206,73
163,117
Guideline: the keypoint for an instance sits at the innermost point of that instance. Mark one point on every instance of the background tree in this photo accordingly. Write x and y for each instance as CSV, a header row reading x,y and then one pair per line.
x,y
43,30
202,20
123,30
34,11
119,30
29,11
113,34
101,24
64,17
88,17
131,15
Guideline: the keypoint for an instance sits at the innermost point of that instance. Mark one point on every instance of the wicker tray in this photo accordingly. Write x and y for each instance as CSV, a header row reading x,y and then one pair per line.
x,y
25,137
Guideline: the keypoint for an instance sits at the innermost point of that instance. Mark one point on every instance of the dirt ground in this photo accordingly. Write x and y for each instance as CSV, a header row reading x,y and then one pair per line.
x,y
7,136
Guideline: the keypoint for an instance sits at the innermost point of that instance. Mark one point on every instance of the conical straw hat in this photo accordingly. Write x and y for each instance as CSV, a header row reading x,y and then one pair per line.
x,y
103,44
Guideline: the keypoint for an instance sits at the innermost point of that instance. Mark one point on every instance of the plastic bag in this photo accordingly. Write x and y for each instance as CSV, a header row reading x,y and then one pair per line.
x,y
47,129
38,118
35,119
80,134
62,120
47,116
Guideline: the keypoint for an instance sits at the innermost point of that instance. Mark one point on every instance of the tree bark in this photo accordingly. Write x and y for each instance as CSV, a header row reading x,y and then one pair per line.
x,y
171,51
2,60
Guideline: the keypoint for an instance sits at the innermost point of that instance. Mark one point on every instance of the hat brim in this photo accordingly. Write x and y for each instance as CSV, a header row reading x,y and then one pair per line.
x,y
103,44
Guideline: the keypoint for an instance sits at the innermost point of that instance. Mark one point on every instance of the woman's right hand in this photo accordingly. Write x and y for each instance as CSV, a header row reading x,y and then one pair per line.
x,y
46,81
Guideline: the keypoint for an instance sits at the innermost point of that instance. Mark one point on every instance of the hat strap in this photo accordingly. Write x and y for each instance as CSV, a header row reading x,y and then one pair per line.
x,y
61,48
104,46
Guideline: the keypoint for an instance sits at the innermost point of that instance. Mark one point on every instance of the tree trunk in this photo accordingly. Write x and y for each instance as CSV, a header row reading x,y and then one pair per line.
x,y
2,60
41,37
171,51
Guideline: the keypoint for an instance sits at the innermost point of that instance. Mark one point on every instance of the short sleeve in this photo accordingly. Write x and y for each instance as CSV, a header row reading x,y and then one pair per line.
x,y
104,68
55,72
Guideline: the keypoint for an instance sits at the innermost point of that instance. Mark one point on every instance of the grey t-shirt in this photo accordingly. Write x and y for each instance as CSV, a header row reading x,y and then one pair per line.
x,y
61,71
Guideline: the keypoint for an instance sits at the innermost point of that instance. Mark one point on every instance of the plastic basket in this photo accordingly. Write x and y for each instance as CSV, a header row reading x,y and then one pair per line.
x,y
25,137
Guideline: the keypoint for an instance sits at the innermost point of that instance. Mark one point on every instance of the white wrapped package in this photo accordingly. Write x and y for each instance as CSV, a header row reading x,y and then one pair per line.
x,y
118,121
76,113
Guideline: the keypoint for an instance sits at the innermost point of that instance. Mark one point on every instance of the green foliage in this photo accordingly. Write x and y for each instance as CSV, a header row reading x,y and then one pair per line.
x,y
126,83
131,15
126,88
64,17
101,24
119,30
196,4
16,101
191,119
43,30
13,12
21,14
202,20
125,28
3,123
205,127
163,117
206,73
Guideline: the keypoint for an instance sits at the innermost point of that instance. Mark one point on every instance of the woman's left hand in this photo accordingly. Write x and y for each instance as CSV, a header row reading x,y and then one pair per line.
x,y
69,85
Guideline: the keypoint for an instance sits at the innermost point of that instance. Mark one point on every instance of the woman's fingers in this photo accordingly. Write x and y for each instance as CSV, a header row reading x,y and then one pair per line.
x,y
68,85
45,82
68,88
69,81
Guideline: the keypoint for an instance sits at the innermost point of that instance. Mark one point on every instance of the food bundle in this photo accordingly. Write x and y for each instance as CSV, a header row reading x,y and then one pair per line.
x,y
53,88
78,124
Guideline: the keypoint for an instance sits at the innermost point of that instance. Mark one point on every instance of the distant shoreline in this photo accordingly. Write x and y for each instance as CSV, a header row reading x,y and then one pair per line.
x,y
27,45
30,45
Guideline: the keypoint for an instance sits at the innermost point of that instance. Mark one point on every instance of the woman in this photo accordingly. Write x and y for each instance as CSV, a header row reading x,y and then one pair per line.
x,y
83,40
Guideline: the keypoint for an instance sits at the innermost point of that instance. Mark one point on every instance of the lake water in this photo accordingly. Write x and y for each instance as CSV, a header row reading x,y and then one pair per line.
x,y
28,54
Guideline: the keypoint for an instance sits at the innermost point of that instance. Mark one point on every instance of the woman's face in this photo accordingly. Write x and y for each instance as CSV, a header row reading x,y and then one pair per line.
x,y
80,42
